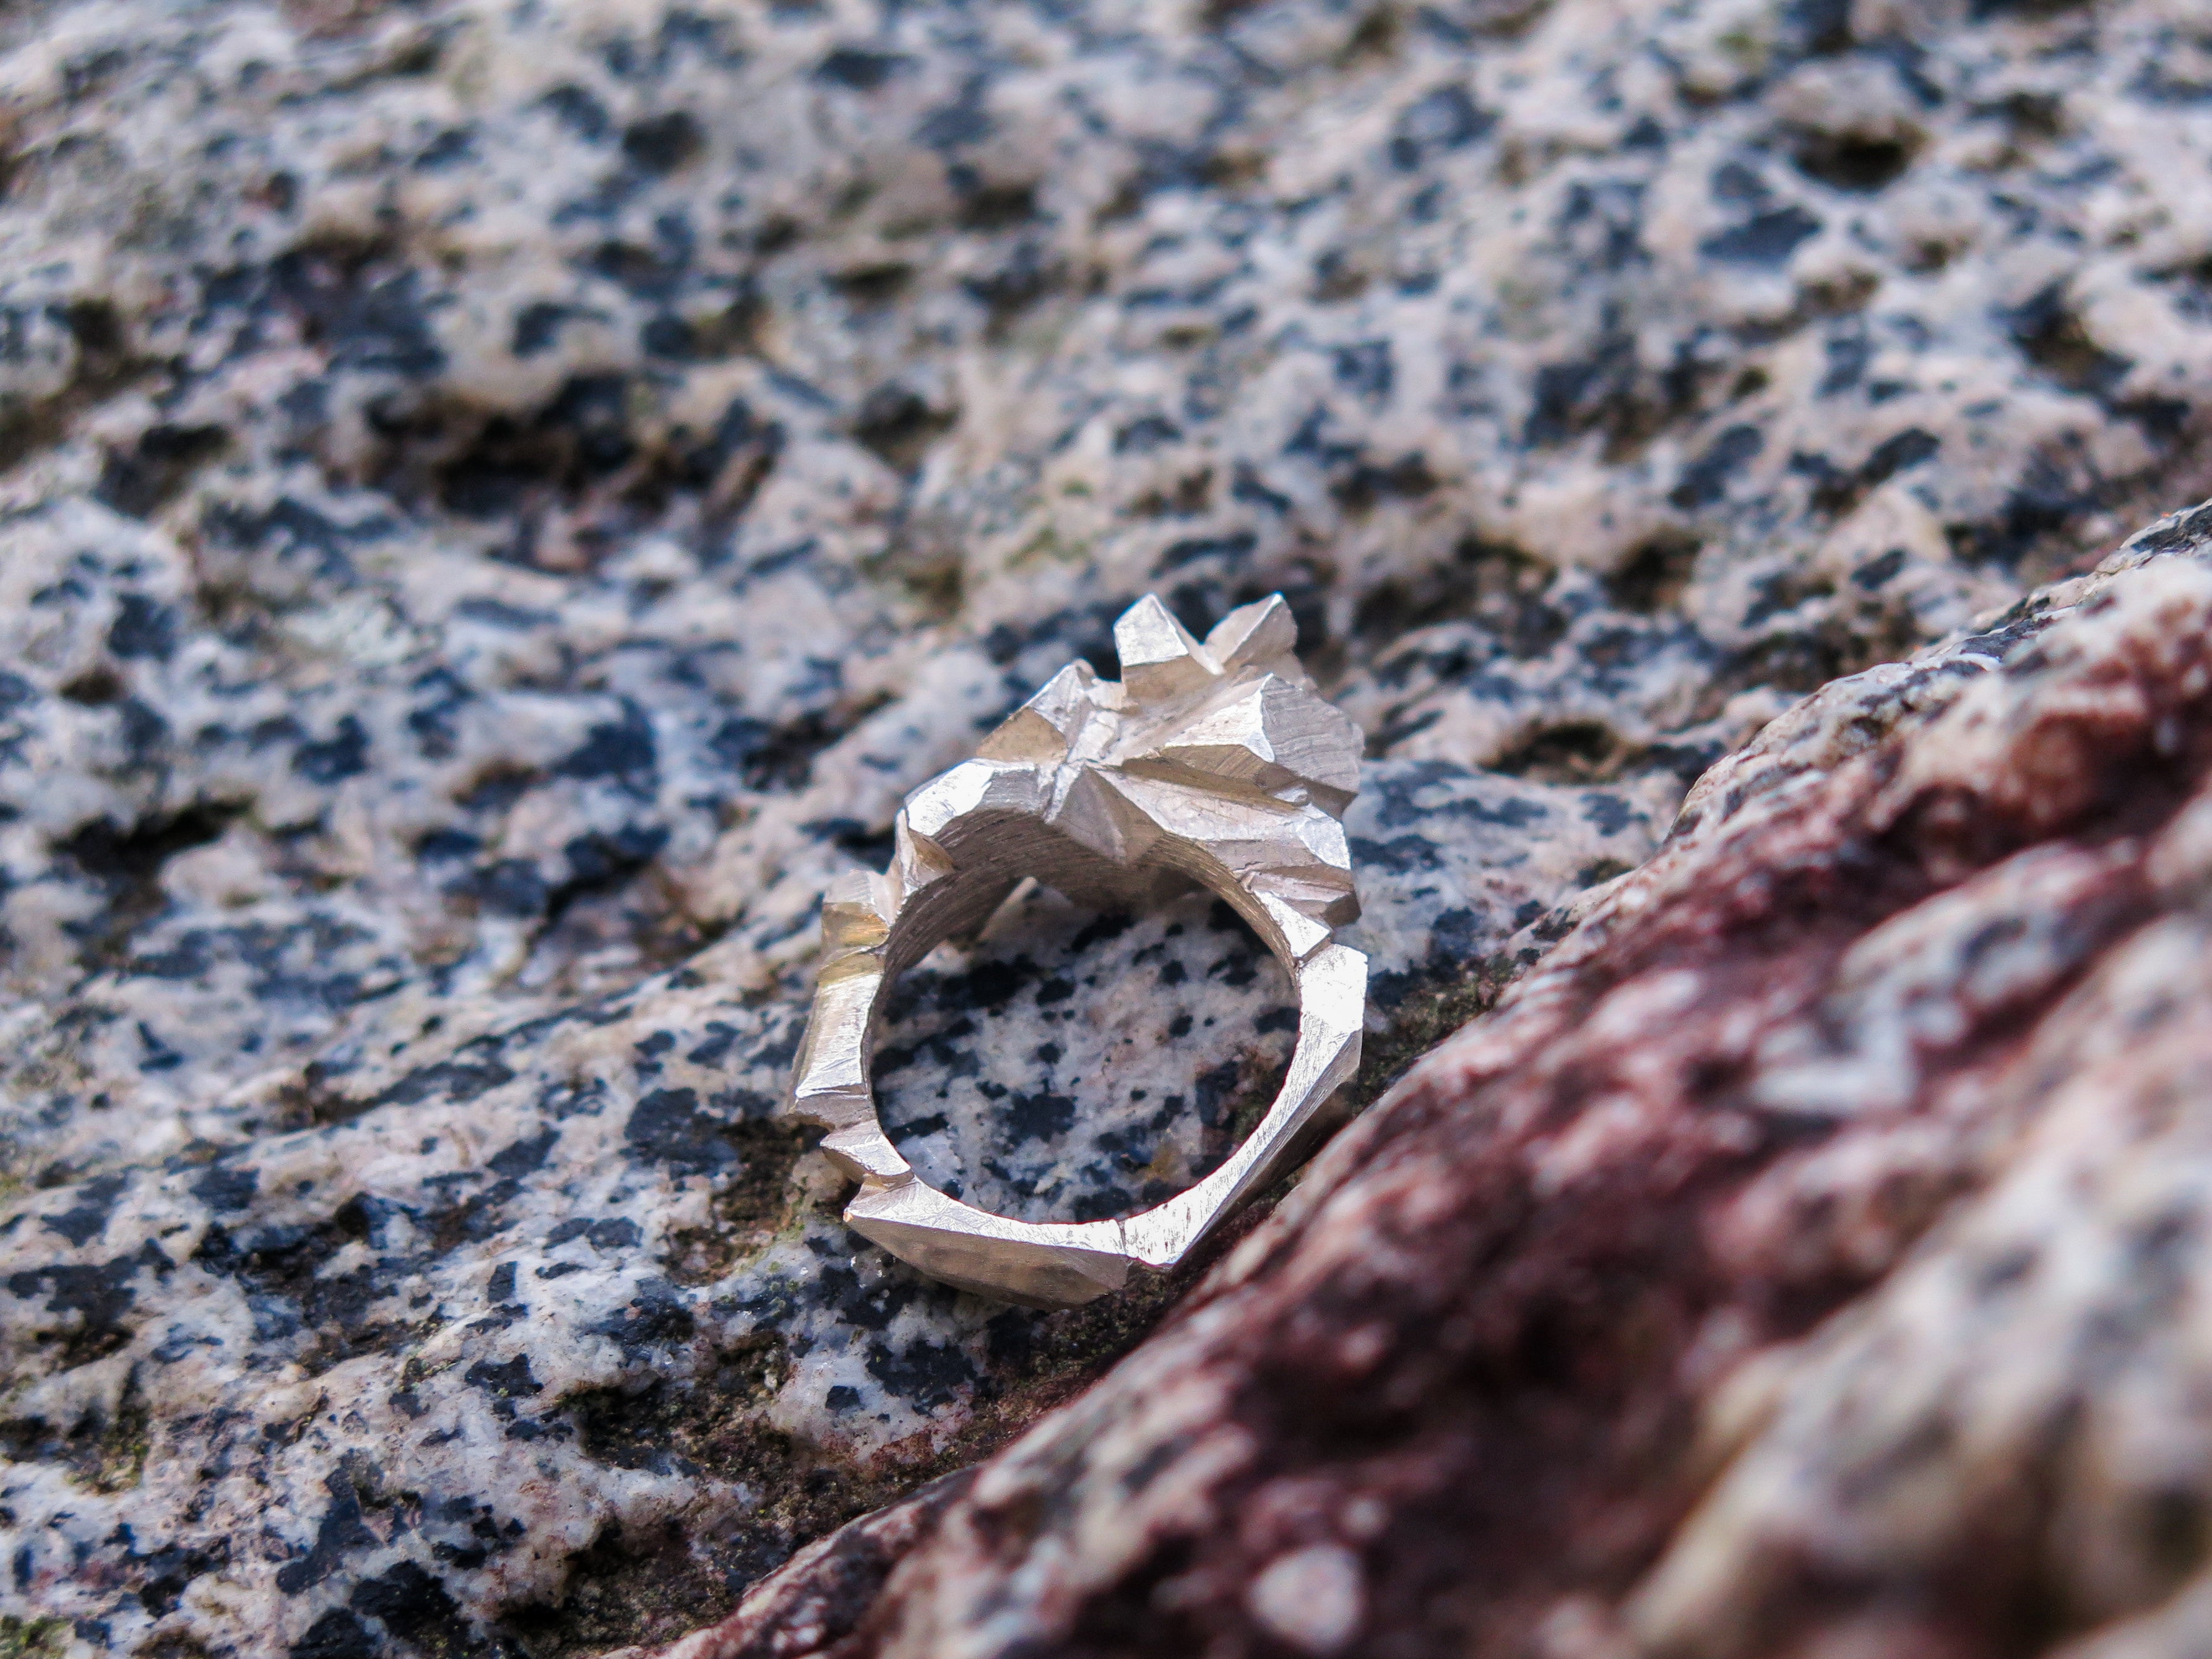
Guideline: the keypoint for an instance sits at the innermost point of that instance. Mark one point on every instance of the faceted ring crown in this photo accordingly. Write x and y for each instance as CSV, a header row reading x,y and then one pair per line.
x,y
1213,762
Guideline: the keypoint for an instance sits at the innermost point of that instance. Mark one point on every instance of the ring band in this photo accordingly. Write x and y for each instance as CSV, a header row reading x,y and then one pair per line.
x,y
1216,763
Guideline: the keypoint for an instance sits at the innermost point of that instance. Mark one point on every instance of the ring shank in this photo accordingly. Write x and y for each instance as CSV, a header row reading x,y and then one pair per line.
x,y
1051,1264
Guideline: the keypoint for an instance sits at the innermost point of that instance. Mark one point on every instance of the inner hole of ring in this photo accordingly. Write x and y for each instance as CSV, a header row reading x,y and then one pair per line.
x,y
1074,1065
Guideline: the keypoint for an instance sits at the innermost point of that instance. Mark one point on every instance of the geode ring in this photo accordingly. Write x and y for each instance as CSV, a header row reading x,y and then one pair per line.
x,y
1215,763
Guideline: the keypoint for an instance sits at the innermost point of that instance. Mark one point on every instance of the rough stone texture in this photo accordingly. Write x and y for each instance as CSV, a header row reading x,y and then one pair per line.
x,y
500,500
1809,1258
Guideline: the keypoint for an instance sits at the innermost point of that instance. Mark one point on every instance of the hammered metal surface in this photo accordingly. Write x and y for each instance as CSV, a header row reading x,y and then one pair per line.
x,y
1211,763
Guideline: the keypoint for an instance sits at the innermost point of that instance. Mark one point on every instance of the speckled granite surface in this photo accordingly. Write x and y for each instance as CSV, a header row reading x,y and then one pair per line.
x,y
501,500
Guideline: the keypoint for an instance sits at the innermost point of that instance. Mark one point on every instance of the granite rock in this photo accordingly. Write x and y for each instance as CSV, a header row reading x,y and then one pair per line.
x,y
498,502
1808,1258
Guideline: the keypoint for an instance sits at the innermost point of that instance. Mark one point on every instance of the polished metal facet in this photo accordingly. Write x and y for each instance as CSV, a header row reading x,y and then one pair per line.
x,y
1212,762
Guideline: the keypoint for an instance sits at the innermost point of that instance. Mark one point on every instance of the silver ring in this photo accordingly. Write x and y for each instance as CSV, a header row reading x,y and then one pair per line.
x,y
1216,763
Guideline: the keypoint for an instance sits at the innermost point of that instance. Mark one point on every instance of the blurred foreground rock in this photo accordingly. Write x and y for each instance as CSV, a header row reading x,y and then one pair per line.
x,y
1813,1256
498,499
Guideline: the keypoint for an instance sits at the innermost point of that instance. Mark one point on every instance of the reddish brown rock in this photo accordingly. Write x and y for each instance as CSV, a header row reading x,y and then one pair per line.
x,y
1812,1255
815,1603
